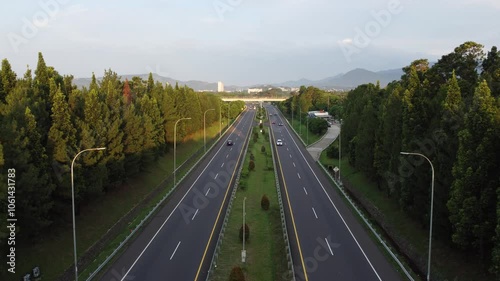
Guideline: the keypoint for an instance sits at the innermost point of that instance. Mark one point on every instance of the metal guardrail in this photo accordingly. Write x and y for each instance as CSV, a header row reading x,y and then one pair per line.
x,y
158,204
282,213
215,256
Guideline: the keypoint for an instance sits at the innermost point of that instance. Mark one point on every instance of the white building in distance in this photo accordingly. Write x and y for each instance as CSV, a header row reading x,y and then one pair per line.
x,y
220,86
254,90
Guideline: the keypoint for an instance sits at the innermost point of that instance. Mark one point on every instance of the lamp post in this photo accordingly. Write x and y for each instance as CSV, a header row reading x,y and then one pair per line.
x,y
340,147
220,120
300,121
73,204
431,214
307,129
204,128
243,252
228,106
175,144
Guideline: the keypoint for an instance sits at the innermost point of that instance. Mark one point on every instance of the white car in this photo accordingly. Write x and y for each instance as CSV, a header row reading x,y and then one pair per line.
x,y
279,142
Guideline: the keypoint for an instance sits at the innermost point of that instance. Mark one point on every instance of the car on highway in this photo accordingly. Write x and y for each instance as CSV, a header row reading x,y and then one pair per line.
x,y
229,142
279,142
273,122
280,124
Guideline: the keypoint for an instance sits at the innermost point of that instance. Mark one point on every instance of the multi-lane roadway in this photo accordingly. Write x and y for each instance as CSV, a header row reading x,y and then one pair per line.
x,y
178,242
328,242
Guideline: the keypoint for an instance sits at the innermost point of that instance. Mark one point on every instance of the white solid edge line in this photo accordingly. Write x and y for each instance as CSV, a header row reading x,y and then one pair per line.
x,y
175,250
176,206
341,217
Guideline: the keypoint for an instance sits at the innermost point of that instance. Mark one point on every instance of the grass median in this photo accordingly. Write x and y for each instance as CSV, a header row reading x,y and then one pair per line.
x,y
266,254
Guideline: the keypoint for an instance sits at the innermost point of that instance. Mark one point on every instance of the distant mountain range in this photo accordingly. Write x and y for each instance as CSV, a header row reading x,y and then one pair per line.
x,y
347,80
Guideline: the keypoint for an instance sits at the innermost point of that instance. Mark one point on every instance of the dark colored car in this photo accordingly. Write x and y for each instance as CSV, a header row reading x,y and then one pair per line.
x,y
229,142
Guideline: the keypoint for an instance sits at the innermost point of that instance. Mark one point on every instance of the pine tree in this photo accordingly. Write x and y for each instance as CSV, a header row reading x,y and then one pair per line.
x,y
8,80
446,138
127,94
473,200
62,134
114,157
151,83
386,158
133,140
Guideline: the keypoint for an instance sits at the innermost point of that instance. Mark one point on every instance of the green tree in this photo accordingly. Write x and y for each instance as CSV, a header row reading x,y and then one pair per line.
x,y
473,201
8,79
388,141
133,140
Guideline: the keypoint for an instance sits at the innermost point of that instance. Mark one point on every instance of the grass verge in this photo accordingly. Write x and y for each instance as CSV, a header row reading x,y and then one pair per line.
x,y
266,255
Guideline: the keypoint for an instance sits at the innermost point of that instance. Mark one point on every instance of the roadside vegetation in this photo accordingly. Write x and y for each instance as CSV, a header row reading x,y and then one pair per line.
x,y
265,247
45,120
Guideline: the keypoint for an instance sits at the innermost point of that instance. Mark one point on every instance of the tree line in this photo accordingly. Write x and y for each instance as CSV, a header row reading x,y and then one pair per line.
x,y
450,112
46,120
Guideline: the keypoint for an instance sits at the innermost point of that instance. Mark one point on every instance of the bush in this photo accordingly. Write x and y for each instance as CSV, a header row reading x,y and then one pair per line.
x,y
333,150
264,203
263,132
252,157
236,274
261,125
247,233
263,149
251,165
317,126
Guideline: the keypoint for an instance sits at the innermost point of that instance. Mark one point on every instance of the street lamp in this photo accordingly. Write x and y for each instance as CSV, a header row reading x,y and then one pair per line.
x,y
432,207
340,147
204,128
73,204
175,144
220,120
228,106
243,252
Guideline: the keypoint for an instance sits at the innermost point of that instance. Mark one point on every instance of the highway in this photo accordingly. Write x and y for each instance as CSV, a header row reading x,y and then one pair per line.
x,y
178,242
328,242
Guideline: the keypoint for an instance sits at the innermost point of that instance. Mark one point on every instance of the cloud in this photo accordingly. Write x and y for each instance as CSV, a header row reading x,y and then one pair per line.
x,y
346,41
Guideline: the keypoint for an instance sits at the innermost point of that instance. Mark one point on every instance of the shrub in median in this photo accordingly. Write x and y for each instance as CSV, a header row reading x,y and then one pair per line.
x,y
236,274
247,233
264,203
251,165
263,149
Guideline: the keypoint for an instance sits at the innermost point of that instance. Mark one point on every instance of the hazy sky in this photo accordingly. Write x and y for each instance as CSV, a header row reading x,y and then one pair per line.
x,y
240,42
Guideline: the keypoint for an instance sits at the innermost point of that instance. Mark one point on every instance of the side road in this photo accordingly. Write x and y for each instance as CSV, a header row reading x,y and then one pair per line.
x,y
328,138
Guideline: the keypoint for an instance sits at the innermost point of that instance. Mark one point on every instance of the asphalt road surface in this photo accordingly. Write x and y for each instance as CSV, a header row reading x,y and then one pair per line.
x,y
328,242
178,242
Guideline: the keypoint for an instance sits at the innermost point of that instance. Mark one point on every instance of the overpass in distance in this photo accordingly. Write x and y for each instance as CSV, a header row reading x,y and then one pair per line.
x,y
254,99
